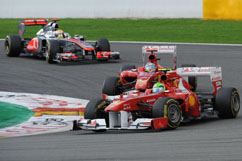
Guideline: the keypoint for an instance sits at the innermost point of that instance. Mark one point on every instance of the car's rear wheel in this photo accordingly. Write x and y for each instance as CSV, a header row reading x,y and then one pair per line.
x,y
191,80
227,102
166,107
112,86
13,45
52,48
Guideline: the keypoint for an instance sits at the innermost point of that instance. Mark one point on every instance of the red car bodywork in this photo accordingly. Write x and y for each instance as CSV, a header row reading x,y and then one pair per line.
x,y
141,97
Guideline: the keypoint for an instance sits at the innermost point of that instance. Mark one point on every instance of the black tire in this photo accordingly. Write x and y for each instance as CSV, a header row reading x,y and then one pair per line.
x,y
170,108
95,109
127,67
52,48
102,44
13,45
112,86
191,80
227,102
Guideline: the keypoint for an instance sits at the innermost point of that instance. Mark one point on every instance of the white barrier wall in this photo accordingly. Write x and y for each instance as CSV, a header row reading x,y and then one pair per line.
x,y
101,8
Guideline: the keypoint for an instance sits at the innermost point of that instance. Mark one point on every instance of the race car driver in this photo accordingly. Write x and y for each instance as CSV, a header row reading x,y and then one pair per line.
x,y
158,87
59,33
150,67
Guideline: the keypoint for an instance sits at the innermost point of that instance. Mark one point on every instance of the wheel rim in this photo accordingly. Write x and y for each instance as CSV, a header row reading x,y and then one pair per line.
x,y
47,53
235,103
174,113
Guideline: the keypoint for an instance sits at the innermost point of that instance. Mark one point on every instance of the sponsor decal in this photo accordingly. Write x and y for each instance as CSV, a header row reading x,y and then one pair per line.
x,y
188,69
191,100
158,49
205,69
151,100
216,78
126,106
217,72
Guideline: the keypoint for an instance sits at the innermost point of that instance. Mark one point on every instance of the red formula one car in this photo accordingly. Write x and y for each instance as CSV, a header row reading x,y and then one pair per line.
x,y
141,106
55,45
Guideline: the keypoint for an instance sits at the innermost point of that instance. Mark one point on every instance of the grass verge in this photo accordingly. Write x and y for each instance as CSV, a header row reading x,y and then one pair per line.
x,y
157,30
12,114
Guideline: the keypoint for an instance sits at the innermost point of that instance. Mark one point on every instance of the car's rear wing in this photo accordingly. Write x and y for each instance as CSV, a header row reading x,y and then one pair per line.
x,y
159,49
165,50
33,22
215,74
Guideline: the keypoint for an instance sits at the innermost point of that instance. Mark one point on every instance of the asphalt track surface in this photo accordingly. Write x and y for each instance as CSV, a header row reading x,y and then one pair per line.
x,y
211,139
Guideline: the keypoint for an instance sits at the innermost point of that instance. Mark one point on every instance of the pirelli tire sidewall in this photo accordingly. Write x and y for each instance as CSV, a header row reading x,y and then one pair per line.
x,y
166,107
95,109
227,102
52,48
13,45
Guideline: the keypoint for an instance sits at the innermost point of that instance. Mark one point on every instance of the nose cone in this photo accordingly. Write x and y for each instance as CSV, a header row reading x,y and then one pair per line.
x,y
116,105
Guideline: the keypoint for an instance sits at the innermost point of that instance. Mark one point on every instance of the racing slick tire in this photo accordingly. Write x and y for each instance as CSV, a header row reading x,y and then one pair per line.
x,y
227,102
102,44
95,109
52,49
191,80
127,67
112,86
166,107
13,45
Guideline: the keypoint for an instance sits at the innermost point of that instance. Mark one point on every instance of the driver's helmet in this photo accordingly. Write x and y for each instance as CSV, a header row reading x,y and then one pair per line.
x,y
150,67
158,87
54,26
59,33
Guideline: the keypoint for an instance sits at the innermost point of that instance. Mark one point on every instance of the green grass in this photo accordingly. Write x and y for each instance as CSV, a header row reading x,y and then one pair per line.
x,y
158,30
12,114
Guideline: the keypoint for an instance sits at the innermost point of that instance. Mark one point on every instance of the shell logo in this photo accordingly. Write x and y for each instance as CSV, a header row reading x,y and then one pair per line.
x,y
191,100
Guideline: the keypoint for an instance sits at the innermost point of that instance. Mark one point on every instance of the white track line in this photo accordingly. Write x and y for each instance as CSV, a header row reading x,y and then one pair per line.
x,y
176,43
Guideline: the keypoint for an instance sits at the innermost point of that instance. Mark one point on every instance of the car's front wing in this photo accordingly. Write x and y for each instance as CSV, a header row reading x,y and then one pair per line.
x,y
138,124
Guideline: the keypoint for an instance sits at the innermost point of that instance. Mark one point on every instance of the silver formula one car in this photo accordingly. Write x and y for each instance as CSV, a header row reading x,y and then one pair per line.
x,y
56,45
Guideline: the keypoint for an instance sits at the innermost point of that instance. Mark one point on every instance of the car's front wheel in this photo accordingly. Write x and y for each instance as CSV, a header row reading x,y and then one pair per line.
x,y
166,107
52,48
95,109
102,44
